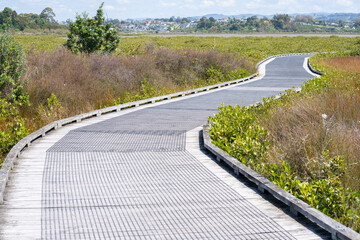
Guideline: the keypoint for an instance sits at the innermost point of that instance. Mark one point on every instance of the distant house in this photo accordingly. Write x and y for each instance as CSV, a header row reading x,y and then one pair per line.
x,y
223,20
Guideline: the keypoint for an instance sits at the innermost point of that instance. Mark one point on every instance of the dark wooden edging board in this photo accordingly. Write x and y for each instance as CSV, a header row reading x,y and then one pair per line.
x,y
26,142
314,70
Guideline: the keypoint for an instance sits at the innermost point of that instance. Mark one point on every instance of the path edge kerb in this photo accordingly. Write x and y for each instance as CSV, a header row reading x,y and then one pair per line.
x,y
313,69
26,142
337,230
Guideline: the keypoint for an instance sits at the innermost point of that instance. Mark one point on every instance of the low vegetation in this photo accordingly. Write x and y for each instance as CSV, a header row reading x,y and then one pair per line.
x,y
88,82
308,142
254,48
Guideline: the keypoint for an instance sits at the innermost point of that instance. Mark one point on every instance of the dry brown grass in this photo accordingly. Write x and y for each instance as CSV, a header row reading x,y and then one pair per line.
x,y
351,64
300,134
84,83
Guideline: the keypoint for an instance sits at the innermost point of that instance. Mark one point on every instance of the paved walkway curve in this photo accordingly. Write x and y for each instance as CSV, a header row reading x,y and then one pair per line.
x,y
134,175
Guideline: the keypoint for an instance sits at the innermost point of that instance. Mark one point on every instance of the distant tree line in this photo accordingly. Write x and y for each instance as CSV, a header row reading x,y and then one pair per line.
x,y
11,20
280,22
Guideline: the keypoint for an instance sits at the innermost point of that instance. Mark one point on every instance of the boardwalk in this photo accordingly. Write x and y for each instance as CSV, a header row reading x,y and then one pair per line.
x,y
140,174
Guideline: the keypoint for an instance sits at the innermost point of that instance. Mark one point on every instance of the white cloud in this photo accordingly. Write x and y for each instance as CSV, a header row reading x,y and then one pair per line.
x,y
122,1
217,3
227,3
169,4
255,4
109,7
347,3
208,3
274,6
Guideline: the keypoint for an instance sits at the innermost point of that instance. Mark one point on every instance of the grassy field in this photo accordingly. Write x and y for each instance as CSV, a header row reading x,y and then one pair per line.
x,y
254,48
39,43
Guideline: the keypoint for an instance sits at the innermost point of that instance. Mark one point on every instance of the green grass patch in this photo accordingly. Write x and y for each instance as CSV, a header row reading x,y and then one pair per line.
x,y
255,48
39,43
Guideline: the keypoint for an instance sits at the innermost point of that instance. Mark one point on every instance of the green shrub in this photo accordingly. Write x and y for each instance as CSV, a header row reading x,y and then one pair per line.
x,y
92,35
12,127
50,112
12,59
235,130
12,96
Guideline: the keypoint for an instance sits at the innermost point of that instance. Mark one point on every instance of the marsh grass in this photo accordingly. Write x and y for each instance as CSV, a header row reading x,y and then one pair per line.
x,y
300,134
82,83
255,48
350,64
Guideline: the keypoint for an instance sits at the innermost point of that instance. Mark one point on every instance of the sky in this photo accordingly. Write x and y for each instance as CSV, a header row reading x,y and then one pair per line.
x,y
124,9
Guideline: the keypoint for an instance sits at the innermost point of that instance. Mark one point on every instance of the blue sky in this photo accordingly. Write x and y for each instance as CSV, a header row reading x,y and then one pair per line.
x,y
123,9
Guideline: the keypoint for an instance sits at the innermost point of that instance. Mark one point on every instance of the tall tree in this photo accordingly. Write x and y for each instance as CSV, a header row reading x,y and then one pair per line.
x,y
48,14
6,18
281,21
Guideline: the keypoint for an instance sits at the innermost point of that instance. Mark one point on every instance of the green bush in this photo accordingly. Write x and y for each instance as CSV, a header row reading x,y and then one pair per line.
x,y
235,130
12,96
92,35
12,127
12,59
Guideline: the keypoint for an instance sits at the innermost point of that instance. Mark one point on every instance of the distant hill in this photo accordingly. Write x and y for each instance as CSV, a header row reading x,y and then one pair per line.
x,y
348,17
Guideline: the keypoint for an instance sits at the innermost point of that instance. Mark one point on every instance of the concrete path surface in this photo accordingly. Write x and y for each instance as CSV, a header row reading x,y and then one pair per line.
x,y
140,174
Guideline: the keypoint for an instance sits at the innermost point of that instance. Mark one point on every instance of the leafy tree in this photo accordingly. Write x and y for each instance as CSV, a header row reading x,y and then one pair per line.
x,y
252,21
202,23
185,20
206,23
48,14
281,21
304,18
341,23
12,61
88,35
6,18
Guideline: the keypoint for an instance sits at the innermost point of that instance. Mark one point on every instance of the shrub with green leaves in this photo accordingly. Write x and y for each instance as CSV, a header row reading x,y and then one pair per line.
x,y
12,127
12,59
235,130
12,96
89,35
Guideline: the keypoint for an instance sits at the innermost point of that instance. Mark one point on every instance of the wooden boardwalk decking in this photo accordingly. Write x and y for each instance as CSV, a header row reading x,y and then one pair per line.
x,y
140,174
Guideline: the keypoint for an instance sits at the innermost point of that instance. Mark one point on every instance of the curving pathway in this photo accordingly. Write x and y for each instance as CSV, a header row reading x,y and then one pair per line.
x,y
140,174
